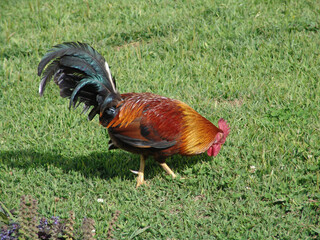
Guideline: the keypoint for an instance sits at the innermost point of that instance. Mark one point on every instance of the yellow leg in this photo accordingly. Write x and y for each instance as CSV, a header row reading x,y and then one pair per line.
x,y
140,178
167,169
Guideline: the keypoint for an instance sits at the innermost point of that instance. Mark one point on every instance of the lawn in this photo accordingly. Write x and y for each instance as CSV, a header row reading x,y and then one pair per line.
x,y
254,63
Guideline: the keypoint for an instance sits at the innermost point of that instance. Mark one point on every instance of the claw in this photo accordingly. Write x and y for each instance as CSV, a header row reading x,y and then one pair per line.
x,y
134,172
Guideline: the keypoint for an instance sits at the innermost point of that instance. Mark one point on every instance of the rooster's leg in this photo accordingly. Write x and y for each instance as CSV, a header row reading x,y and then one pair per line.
x,y
167,169
140,179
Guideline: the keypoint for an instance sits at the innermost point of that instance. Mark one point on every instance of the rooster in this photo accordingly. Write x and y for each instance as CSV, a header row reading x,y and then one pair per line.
x,y
142,123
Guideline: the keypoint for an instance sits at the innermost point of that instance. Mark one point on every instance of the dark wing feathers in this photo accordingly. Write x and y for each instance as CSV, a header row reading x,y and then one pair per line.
x,y
136,135
145,144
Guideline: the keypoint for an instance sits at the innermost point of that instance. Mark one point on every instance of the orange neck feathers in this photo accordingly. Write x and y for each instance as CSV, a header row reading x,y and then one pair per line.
x,y
198,133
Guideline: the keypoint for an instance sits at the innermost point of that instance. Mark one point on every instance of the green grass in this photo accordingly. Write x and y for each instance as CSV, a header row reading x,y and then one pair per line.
x,y
254,63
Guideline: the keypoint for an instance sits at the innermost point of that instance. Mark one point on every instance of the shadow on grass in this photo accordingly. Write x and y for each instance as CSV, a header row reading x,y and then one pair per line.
x,y
106,165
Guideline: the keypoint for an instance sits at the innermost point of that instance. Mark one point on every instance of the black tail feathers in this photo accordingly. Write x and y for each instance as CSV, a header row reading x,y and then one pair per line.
x,y
82,75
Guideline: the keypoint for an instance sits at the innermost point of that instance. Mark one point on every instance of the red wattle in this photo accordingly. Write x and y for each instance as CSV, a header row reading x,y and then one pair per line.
x,y
210,151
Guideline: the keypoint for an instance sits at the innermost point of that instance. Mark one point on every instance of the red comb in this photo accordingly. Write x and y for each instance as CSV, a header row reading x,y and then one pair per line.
x,y
225,128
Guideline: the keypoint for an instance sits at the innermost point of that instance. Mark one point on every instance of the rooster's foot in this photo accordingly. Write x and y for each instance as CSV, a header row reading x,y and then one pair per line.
x,y
167,169
140,180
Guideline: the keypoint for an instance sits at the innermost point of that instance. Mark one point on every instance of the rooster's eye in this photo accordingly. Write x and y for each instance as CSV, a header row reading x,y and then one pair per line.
x,y
111,111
